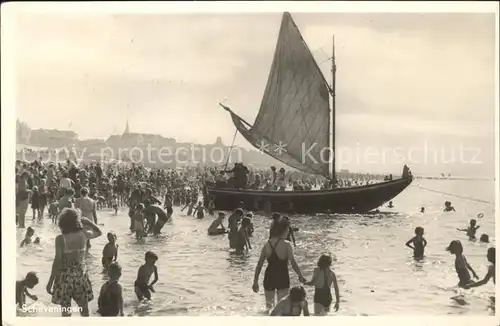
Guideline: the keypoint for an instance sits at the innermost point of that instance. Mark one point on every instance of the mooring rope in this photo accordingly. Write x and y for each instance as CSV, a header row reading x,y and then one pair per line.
x,y
453,195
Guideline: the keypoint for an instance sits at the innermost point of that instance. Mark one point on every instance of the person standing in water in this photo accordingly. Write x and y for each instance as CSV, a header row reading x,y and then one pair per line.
x,y
110,301
462,267
278,253
471,230
490,255
142,287
87,207
323,279
233,223
419,243
69,279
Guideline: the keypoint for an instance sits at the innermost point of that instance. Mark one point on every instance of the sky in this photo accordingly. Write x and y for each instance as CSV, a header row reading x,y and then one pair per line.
x,y
403,80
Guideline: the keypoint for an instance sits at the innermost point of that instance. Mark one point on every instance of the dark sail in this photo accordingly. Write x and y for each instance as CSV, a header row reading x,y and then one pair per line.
x,y
294,114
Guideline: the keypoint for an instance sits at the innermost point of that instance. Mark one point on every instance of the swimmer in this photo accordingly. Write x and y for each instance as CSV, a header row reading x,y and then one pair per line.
x,y
141,287
37,240
422,209
323,279
110,302
199,211
242,240
490,255
462,267
484,238
419,243
29,282
217,226
293,304
110,251
390,205
448,207
471,230
27,238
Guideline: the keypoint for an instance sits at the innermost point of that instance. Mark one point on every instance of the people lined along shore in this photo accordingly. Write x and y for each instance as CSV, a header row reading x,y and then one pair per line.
x,y
74,194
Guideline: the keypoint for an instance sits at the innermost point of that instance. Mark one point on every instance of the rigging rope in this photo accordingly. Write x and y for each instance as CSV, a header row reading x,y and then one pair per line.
x,y
453,195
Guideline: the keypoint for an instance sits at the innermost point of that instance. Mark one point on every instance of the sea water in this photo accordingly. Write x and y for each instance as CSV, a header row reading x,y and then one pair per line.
x,y
199,275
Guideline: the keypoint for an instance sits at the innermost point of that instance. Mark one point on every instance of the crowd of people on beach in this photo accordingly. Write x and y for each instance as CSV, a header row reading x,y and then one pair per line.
x,y
74,193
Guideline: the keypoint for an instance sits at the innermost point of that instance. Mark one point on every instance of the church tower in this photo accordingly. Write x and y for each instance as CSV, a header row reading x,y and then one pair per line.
x,y
127,130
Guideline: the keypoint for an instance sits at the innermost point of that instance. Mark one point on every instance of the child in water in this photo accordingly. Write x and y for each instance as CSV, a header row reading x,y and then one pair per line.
x,y
211,206
462,267
114,203
54,211
250,228
110,251
199,211
293,304
190,207
291,236
448,207
110,302
243,242
29,282
323,279
35,203
139,221
27,238
141,287
490,255
471,230
484,238
217,226
419,243
37,240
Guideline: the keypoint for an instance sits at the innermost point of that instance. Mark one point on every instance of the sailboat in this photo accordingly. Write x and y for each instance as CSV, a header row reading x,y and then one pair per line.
x,y
296,125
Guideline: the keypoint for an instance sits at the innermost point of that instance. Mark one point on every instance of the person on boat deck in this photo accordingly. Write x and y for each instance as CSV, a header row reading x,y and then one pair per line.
x,y
274,175
220,180
256,183
278,252
406,172
240,173
281,180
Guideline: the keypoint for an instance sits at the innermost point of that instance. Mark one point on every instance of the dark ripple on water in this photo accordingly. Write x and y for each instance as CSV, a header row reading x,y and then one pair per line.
x,y
200,276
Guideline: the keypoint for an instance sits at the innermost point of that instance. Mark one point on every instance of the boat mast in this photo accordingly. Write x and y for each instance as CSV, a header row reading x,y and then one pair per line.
x,y
332,118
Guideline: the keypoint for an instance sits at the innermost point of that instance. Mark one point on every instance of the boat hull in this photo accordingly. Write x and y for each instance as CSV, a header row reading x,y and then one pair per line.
x,y
351,200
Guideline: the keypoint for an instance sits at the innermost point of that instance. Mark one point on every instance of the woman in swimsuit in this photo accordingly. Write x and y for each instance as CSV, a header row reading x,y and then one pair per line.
x,y
323,279
292,305
69,279
278,251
